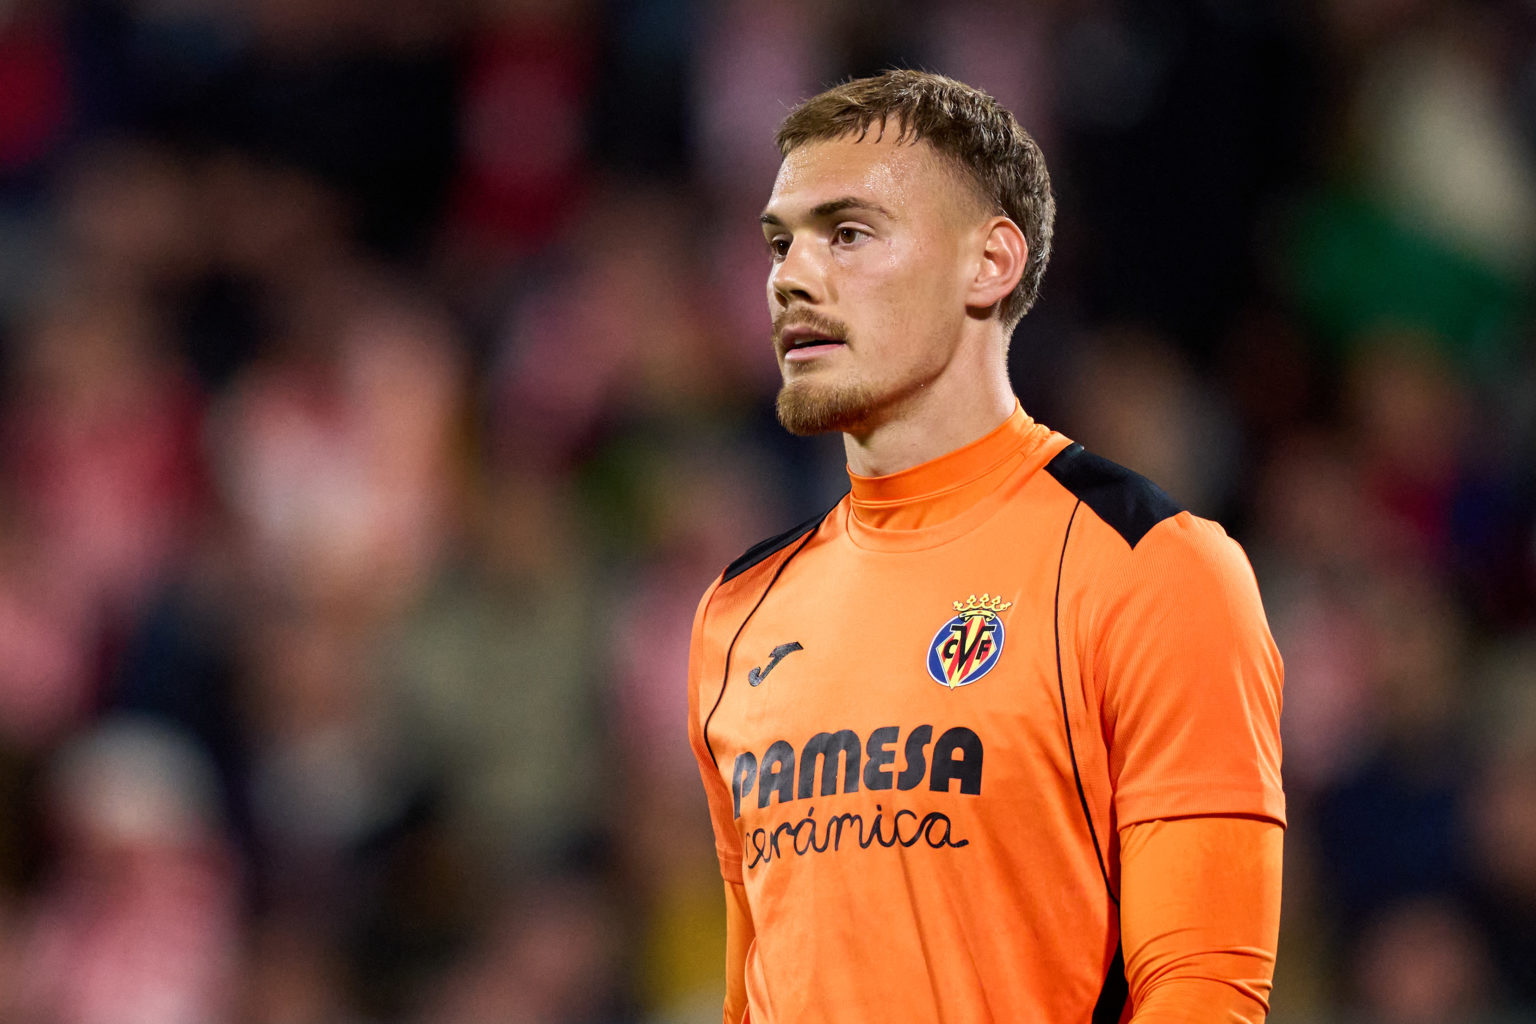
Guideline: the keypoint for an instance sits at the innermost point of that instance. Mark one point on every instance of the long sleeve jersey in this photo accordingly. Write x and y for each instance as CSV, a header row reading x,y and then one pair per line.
x,y
924,719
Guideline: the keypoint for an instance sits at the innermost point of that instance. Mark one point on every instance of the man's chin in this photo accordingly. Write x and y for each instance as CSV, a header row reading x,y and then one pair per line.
x,y
805,408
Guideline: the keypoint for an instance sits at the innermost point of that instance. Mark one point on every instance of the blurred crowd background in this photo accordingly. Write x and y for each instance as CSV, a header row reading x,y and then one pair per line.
x,y
382,382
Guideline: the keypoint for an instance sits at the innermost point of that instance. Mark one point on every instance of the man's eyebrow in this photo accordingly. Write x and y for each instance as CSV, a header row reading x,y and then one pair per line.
x,y
833,206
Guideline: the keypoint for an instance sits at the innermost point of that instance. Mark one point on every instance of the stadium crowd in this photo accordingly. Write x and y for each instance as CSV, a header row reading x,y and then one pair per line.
x,y
382,382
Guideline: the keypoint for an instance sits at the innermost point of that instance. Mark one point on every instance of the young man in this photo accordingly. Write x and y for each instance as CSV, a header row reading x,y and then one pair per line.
x,y
996,738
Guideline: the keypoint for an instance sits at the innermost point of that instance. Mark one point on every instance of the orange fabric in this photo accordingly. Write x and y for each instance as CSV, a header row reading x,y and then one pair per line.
x,y
738,943
937,491
1199,913
913,850
1200,917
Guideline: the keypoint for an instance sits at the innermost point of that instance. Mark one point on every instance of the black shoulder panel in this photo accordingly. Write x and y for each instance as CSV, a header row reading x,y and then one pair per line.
x,y
763,548
1129,502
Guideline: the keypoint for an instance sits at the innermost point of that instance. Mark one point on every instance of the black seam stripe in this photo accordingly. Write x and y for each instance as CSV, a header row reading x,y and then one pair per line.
x,y
762,549
1128,502
1066,718
1115,993
726,676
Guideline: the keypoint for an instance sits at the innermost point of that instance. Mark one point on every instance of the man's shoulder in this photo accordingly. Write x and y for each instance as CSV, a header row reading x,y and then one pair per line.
x,y
1131,536
1121,499
756,568
765,550
746,580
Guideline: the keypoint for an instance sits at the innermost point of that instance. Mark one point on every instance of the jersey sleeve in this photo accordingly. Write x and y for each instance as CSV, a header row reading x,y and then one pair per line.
x,y
1191,680
703,671
1200,918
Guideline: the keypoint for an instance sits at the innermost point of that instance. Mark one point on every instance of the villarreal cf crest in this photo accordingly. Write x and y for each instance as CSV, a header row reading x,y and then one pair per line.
x,y
967,646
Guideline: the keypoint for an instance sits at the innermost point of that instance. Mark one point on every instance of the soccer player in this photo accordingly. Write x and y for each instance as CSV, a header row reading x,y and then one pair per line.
x,y
996,738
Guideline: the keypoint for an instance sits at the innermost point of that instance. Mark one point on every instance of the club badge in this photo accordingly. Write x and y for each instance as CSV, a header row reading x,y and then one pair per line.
x,y
967,646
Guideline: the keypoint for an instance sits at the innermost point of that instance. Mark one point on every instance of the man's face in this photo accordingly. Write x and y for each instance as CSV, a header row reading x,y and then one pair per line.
x,y
870,243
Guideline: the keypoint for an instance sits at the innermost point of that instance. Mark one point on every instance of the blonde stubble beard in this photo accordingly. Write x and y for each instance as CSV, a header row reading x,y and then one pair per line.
x,y
808,405
806,408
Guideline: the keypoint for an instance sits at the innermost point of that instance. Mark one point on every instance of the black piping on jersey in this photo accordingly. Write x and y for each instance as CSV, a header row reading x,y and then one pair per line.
x,y
1066,719
1128,502
1131,505
1115,991
754,555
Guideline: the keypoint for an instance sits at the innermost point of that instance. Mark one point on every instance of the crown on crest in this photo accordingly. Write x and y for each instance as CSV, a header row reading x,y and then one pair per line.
x,y
986,605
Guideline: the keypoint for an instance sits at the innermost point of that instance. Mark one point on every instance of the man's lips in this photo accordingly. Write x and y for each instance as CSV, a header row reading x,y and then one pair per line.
x,y
793,339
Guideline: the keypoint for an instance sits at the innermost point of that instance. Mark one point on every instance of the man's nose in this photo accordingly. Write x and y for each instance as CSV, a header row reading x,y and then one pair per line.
x,y
796,277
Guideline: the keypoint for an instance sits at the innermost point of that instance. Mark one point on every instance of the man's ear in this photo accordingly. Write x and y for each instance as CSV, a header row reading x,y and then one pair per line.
x,y
1004,254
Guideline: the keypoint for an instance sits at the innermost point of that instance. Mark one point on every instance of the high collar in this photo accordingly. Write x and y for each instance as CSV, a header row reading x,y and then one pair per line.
x,y
940,489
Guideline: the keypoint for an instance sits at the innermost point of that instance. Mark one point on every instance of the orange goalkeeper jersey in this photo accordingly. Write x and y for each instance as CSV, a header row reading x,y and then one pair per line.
x,y
922,718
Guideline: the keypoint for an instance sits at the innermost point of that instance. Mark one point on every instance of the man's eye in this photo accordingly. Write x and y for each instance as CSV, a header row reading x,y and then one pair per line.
x,y
848,236
779,247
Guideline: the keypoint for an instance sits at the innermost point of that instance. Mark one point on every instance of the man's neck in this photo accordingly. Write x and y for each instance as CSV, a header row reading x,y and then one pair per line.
x,y
952,414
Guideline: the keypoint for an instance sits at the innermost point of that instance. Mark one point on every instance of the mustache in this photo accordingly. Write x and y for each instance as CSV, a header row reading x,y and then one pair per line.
x,y
821,324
